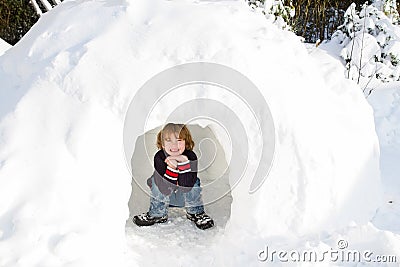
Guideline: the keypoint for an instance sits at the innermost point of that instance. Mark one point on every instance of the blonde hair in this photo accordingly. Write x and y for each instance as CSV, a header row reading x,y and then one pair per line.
x,y
179,130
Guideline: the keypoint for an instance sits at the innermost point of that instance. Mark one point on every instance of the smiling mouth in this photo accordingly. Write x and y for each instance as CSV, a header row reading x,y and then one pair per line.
x,y
174,150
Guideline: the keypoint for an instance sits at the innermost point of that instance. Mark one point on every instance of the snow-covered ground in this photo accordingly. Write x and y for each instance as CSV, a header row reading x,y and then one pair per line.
x,y
66,197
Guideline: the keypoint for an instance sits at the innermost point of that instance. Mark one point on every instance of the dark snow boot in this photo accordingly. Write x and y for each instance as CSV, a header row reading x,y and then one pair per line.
x,y
202,220
145,219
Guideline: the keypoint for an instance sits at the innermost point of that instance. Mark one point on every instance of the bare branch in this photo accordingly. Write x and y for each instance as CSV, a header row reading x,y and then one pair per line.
x,y
362,44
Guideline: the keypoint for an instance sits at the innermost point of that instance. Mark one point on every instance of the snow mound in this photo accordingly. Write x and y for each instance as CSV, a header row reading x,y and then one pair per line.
x,y
386,104
64,184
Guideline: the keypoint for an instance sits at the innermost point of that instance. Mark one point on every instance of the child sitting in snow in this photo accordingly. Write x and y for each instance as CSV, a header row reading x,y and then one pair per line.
x,y
175,167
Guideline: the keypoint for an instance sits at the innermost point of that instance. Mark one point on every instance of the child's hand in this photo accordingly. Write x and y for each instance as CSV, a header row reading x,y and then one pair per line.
x,y
171,162
180,158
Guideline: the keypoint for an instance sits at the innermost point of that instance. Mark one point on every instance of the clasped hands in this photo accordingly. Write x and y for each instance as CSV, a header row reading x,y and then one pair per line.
x,y
172,161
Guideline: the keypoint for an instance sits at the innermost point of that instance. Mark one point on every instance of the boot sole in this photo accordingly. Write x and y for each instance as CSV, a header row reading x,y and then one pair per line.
x,y
205,226
144,223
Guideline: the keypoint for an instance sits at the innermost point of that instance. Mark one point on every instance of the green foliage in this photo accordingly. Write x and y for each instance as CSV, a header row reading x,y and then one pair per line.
x,y
312,19
16,18
279,11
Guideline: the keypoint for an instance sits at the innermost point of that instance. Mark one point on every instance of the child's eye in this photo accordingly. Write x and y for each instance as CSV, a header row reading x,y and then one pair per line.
x,y
167,140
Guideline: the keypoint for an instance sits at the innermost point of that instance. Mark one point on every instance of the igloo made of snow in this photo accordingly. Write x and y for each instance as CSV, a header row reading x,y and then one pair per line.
x,y
65,182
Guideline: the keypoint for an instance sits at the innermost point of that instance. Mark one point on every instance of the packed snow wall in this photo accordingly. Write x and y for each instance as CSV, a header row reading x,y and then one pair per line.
x,y
65,91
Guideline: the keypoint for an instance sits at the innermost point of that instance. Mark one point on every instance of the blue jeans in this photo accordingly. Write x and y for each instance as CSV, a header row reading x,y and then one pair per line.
x,y
159,202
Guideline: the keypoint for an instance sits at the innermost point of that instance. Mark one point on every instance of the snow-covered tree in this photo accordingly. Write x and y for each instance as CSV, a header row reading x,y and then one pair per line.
x,y
389,7
371,44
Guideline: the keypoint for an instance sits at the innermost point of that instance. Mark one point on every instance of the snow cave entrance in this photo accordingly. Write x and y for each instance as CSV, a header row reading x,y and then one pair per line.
x,y
213,173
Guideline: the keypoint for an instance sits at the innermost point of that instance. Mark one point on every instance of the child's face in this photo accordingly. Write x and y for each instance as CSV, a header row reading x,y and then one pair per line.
x,y
173,145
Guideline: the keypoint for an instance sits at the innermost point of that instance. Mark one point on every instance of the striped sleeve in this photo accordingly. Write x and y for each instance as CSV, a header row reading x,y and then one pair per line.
x,y
187,170
171,174
163,171
184,167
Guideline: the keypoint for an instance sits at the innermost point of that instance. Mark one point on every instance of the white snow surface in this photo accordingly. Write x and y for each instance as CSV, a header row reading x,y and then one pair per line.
x,y
64,183
4,46
386,103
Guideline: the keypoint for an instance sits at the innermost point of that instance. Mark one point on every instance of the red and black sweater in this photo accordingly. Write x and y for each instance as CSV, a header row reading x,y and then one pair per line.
x,y
168,179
